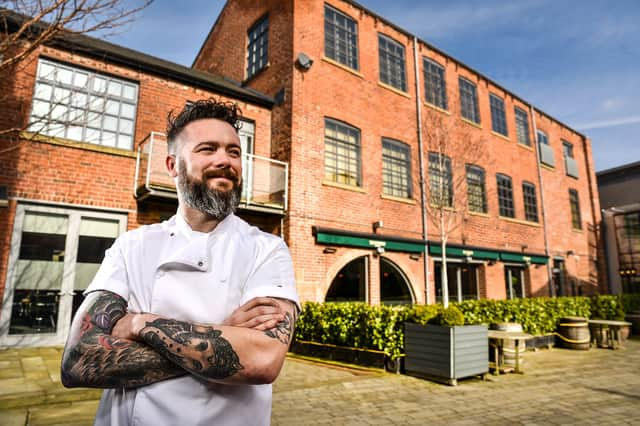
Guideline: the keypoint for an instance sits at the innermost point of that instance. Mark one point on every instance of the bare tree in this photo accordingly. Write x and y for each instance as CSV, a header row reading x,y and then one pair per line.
x,y
452,145
25,25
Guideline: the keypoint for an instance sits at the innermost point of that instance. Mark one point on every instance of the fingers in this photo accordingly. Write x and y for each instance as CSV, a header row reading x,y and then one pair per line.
x,y
259,301
262,322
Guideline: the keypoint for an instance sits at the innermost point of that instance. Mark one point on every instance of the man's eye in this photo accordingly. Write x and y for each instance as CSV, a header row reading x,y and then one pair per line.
x,y
235,152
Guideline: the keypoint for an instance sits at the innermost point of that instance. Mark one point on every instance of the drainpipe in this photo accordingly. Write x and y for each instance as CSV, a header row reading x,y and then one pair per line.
x,y
552,290
421,166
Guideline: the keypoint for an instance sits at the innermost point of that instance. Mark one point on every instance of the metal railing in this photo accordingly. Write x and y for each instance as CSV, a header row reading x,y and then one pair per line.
x,y
264,179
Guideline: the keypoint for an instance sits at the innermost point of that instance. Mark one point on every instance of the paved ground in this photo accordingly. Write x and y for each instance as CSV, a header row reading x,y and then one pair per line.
x,y
559,387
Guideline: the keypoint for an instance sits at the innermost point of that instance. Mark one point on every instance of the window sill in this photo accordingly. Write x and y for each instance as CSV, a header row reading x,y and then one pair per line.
x,y
34,137
577,230
480,214
472,123
521,222
547,167
344,186
342,66
437,108
410,201
528,148
394,90
444,208
500,135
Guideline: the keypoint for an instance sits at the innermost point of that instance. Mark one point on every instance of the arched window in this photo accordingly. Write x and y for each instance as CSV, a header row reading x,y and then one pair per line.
x,y
394,287
349,284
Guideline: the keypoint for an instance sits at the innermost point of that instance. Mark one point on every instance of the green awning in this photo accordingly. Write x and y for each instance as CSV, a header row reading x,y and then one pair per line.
x,y
523,258
351,241
462,252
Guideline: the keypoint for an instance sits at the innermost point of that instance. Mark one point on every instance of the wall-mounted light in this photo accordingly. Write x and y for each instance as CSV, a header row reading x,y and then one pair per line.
x,y
303,61
415,256
570,253
329,250
491,262
380,249
376,225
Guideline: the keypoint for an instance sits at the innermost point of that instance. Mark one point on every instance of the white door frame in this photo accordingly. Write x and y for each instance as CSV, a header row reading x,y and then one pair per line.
x,y
67,284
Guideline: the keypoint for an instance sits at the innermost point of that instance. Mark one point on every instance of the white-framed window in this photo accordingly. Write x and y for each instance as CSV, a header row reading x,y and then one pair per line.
x,y
84,106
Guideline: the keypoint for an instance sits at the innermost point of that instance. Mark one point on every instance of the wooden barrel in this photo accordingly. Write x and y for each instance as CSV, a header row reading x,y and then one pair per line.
x,y
509,346
573,333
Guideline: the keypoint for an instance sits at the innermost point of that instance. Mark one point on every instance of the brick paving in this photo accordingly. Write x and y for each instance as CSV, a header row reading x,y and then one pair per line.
x,y
559,387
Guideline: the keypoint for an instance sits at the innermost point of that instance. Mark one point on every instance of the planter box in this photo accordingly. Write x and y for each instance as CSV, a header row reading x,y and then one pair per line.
x,y
446,353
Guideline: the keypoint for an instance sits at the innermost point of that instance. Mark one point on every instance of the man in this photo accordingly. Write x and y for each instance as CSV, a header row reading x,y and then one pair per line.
x,y
188,321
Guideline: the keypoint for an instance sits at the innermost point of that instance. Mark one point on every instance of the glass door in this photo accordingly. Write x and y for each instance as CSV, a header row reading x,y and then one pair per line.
x,y
55,254
514,280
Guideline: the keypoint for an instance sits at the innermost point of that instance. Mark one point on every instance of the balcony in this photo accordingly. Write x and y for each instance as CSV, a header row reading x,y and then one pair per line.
x,y
264,180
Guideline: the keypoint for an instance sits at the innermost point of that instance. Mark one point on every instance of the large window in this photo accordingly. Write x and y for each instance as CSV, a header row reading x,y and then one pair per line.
x,y
440,180
530,202
258,48
396,169
469,100
340,37
341,153
435,86
392,64
350,284
522,127
574,201
85,106
505,196
546,152
498,117
462,281
476,193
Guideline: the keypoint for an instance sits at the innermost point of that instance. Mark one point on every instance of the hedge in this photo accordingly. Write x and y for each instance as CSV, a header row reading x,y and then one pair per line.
x,y
381,328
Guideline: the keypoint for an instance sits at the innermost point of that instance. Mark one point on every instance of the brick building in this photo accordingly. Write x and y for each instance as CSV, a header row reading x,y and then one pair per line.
x,y
357,97
96,169
338,160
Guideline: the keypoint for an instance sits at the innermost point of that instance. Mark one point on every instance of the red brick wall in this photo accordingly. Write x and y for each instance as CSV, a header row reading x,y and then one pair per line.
x,y
69,173
357,98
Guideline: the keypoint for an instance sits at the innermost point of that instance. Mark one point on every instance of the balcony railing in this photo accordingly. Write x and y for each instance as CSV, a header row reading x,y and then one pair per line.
x,y
264,180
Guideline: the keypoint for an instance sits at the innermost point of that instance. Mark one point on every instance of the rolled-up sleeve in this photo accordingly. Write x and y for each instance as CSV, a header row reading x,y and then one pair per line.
x,y
112,274
273,276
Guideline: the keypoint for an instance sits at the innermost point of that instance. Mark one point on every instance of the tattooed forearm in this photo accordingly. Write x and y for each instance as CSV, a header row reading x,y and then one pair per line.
x,y
282,330
197,348
94,358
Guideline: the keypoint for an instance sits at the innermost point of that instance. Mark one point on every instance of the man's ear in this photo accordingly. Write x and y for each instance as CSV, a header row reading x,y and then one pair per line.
x,y
172,165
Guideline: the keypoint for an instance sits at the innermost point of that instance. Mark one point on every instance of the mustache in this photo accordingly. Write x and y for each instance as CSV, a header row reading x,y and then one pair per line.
x,y
225,173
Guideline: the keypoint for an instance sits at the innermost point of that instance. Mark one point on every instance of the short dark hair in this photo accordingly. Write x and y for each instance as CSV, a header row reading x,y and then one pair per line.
x,y
203,108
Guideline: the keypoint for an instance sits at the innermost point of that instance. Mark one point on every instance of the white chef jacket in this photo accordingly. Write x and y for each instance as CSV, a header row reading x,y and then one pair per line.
x,y
170,270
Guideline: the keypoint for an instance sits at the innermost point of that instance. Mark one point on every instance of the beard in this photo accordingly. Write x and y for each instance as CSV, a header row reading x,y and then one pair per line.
x,y
197,194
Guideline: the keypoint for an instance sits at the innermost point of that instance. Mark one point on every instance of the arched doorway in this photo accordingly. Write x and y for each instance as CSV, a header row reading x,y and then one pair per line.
x,y
349,284
394,287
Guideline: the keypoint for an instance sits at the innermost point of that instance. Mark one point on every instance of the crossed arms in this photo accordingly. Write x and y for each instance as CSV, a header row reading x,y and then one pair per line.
x,y
109,348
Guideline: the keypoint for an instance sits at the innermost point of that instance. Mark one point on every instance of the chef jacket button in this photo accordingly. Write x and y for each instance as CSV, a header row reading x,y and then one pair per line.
x,y
200,263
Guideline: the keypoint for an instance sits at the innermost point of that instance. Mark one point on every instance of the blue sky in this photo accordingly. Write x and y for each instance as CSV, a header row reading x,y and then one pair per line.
x,y
577,60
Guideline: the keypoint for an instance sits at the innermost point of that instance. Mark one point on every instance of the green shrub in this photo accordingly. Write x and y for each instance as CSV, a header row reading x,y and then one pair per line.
x,y
607,307
448,317
381,328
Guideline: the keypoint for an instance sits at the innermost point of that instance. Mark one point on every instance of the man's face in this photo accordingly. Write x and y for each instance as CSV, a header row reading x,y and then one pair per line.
x,y
209,167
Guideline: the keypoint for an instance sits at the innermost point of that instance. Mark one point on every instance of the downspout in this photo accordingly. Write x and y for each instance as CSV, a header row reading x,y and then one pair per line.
x,y
421,166
552,290
599,236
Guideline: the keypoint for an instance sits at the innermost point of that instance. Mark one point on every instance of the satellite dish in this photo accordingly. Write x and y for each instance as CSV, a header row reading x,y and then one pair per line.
x,y
303,61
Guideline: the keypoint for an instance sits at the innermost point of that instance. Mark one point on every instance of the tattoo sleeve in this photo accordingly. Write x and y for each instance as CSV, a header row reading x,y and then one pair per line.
x,y
283,330
94,358
199,349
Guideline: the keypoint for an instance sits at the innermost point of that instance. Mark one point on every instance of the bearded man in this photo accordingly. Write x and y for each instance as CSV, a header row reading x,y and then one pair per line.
x,y
188,321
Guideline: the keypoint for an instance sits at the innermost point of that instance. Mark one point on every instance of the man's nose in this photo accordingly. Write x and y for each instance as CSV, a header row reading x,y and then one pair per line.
x,y
221,159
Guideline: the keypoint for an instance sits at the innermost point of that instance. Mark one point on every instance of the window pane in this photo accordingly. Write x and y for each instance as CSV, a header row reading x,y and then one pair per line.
x,y
89,103
342,153
392,63
340,38
46,71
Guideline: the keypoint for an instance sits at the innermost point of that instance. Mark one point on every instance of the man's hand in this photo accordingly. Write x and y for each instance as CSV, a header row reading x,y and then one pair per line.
x,y
126,328
259,313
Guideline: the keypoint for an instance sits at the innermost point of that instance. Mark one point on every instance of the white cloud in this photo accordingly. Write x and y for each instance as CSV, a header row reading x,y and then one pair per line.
x,y
613,122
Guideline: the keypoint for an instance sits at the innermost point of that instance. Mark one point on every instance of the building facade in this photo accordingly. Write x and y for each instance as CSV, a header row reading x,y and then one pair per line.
x,y
620,202
343,158
358,100
87,164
